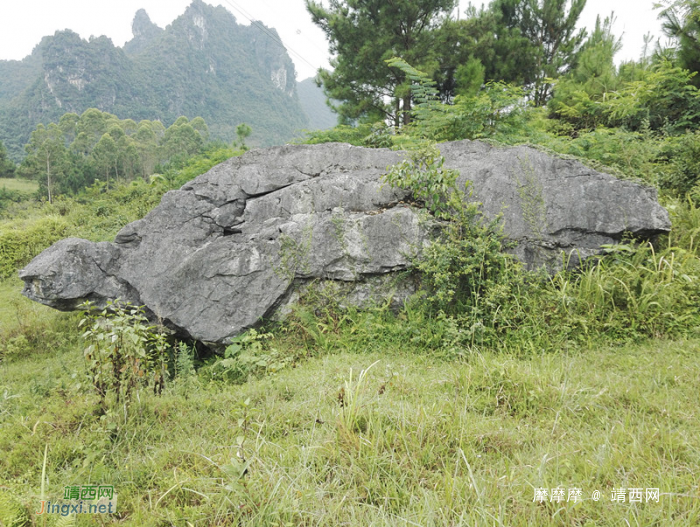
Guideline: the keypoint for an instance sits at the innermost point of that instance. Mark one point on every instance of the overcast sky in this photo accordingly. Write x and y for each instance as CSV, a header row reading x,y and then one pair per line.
x,y
24,22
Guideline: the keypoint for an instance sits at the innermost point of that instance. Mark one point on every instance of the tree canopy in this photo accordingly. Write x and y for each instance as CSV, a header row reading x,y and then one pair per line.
x,y
80,149
7,167
549,27
528,42
362,35
681,21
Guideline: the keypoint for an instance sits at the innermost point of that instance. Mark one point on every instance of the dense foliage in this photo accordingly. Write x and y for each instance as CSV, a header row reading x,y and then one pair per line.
x,y
97,213
528,42
681,22
68,156
362,35
7,167
637,120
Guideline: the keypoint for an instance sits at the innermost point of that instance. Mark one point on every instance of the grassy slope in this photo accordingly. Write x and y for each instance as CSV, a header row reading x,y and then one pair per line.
x,y
417,441
21,185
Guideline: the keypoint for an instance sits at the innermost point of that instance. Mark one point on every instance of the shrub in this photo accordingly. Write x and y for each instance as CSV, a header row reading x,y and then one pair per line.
x,y
476,295
683,156
124,351
248,354
22,241
466,261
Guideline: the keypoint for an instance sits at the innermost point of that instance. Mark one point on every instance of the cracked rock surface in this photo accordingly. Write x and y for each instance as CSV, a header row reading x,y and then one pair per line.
x,y
235,244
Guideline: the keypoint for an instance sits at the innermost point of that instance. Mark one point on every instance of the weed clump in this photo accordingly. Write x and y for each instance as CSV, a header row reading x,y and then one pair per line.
x,y
124,351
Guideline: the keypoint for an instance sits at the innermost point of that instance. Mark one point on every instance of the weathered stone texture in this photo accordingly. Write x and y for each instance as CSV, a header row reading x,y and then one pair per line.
x,y
232,245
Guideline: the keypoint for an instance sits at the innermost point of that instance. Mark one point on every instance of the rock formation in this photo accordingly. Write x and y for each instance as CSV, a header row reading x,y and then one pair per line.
x,y
233,245
204,64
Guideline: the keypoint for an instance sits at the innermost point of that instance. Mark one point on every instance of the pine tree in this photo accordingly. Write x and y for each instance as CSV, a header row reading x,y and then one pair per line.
x,y
363,34
550,28
681,21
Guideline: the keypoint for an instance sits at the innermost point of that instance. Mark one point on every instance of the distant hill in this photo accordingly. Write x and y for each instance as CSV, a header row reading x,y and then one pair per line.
x,y
313,101
203,64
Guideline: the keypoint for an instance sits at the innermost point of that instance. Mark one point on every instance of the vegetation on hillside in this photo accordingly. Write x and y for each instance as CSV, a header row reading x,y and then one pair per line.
x,y
222,71
490,387
7,167
96,213
71,155
312,100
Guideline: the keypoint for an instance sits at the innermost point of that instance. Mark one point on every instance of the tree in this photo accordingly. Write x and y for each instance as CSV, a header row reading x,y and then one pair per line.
x,y
46,155
243,131
68,124
469,77
363,34
681,21
181,140
147,146
492,111
579,97
94,124
200,126
7,167
128,157
551,31
105,156
482,35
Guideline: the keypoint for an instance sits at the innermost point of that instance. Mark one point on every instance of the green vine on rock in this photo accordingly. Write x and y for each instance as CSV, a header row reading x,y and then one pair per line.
x,y
466,261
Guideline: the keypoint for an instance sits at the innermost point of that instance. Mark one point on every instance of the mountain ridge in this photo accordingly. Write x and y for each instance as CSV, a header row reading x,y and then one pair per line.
x,y
202,64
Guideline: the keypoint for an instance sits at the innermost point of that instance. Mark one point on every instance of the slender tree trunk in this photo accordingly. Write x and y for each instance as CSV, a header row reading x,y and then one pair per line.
x,y
397,114
407,109
48,176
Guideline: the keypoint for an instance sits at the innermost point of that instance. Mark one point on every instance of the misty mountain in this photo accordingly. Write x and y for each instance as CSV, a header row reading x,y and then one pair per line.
x,y
203,64
313,101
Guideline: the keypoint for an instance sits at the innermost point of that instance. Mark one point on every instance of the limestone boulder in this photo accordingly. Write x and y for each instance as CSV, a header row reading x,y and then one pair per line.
x,y
236,244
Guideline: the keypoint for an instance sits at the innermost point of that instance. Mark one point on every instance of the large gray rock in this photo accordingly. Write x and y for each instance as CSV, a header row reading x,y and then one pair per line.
x,y
552,205
235,244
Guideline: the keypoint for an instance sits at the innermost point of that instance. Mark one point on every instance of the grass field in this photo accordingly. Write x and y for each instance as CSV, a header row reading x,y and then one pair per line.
x,y
386,437
19,185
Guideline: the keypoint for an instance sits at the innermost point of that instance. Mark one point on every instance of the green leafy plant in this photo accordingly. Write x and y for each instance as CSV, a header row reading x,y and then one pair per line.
x,y
124,351
248,354
186,379
466,260
494,111
423,174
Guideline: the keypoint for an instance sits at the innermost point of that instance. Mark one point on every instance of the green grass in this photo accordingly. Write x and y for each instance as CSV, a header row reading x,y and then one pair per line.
x,y
19,185
414,440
